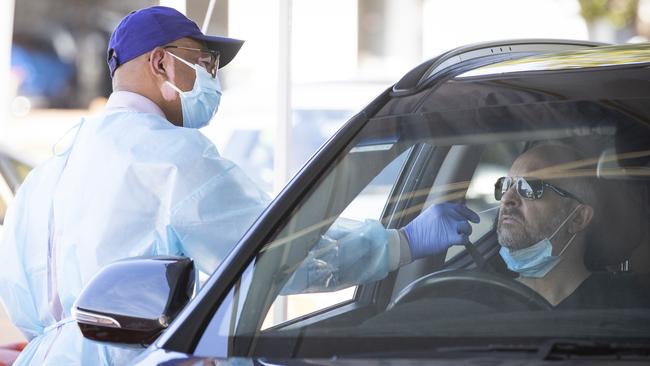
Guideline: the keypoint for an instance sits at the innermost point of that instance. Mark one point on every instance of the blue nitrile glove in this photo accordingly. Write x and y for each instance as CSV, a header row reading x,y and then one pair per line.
x,y
439,227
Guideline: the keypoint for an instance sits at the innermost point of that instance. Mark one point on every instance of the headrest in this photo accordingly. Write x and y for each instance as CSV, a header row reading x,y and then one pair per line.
x,y
620,222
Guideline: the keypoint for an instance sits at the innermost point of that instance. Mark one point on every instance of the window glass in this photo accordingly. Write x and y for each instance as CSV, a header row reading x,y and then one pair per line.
x,y
367,205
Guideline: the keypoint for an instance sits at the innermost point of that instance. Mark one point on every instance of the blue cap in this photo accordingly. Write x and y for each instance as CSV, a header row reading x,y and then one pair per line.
x,y
145,29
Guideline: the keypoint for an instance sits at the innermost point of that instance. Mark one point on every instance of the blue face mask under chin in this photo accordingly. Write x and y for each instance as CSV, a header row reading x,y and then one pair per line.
x,y
201,103
536,260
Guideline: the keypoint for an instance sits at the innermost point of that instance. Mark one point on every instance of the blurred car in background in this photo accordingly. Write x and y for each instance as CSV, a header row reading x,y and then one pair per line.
x,y
59,67
41,76
14,167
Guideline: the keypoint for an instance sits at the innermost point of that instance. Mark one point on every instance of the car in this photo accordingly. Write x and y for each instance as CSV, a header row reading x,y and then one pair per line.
x,y
443,133
14,167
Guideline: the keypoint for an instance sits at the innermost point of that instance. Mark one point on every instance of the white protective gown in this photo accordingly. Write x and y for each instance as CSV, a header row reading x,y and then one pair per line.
x,y
133,184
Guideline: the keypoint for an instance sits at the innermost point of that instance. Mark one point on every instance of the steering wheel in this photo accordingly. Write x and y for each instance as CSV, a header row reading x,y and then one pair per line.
x,y
491,289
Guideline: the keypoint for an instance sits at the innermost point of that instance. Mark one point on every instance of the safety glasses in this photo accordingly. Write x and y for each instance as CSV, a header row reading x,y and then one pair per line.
x,y
209,59
528,188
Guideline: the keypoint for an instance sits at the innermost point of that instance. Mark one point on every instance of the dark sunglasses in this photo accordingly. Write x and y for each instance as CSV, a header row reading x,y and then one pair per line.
x,y
528,188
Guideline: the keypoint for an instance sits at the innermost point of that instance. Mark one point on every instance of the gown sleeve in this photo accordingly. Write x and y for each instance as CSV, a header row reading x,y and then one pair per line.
x,y
350,253
208,223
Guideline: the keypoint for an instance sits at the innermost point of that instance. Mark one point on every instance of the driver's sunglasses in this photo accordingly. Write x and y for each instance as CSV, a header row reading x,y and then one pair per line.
x,y
209,59
528,188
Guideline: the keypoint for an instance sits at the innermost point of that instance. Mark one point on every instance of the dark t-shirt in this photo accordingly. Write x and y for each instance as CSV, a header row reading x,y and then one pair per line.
x,y
606,290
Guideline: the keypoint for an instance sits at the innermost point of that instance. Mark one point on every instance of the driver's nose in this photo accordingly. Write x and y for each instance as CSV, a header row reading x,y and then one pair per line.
x,y
510,198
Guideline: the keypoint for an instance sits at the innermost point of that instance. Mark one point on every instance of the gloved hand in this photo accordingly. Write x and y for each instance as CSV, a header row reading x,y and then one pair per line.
x,y
439,227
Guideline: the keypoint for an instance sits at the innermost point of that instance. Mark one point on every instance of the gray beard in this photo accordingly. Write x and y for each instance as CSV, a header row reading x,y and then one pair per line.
x,y
515,239
519,237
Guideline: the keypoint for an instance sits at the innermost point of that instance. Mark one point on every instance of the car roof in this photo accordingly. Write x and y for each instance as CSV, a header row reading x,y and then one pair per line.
x,y
462,84
616,55
510,56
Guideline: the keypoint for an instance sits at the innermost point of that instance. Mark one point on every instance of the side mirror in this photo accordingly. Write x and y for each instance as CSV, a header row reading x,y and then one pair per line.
x,y
132,301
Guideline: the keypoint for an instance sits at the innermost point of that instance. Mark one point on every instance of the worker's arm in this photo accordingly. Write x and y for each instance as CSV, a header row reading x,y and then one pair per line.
x,y
353,253
208,223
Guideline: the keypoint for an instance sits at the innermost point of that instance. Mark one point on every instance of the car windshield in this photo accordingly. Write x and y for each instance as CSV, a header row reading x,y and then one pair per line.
x,y
575,145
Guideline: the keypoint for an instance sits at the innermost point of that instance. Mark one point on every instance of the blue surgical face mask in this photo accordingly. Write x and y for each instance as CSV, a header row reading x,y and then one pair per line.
x,y
536,260
201,103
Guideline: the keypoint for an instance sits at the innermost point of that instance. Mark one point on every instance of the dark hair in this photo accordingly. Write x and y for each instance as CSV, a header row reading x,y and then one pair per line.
x,y
577,172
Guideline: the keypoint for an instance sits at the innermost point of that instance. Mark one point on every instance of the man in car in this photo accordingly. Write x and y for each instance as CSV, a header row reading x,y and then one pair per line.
x,y
141,180
544,217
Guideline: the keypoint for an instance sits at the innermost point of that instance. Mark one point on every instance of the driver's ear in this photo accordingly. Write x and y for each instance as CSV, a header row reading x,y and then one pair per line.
x,y
159,63
583,216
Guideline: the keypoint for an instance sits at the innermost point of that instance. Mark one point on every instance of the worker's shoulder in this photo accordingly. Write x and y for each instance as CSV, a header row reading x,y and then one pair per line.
x,y
149,135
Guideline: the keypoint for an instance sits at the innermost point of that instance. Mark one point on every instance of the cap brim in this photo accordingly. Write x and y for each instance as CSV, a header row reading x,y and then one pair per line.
x,y
227,47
